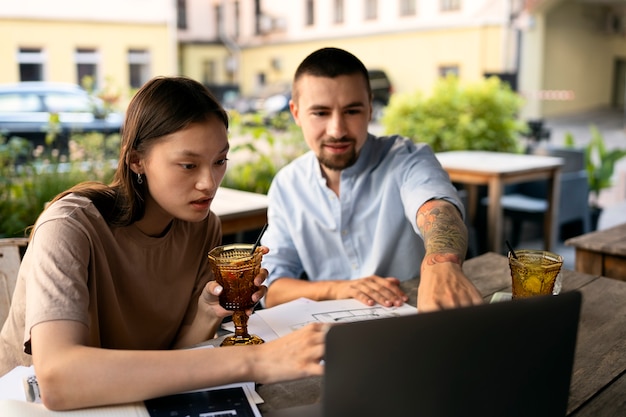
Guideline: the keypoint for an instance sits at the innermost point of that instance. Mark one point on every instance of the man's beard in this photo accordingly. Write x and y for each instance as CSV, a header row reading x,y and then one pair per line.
x,y
339,162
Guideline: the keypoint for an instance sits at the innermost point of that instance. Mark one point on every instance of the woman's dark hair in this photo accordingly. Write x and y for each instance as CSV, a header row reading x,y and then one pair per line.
x,y
162,106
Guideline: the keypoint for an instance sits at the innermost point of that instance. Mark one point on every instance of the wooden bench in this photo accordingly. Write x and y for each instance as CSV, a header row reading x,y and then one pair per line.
x,y
602,252
11,252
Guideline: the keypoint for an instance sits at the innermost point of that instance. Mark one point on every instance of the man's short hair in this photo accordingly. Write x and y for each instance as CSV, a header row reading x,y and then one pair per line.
x,y
332,62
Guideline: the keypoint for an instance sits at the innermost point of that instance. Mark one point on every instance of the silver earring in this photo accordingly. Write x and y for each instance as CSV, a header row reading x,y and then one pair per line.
x,y
139,179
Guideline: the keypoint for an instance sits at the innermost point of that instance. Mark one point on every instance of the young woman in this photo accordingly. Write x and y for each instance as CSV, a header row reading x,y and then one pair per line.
x,y
116,277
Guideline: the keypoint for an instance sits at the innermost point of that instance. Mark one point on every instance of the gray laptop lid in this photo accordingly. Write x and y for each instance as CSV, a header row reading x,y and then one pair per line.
x,y
504,359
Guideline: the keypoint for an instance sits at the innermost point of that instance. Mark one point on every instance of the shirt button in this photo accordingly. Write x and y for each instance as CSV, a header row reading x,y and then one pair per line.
x,y
344,232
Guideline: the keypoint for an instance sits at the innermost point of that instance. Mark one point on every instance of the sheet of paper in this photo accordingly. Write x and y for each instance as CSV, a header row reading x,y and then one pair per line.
x,y
285,318
501,296
257,326
11,384
15,408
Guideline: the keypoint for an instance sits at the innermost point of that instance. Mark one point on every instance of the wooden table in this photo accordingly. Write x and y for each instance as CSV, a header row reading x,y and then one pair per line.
x,y
495,170
602,252
599,375
239,210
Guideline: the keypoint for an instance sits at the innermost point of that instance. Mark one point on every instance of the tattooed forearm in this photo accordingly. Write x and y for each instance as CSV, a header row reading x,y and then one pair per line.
x,y
445,234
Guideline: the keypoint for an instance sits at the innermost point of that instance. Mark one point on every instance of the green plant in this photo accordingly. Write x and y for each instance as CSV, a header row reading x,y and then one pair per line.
x,y
599,162
262,147
30,178
479,116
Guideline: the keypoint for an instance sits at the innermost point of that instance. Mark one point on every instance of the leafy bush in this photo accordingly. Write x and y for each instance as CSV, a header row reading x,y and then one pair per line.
x,y
30,178
480,116
261,150
599,162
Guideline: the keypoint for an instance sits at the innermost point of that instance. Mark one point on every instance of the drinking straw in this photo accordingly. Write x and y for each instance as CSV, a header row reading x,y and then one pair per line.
x,y
258,239
511,249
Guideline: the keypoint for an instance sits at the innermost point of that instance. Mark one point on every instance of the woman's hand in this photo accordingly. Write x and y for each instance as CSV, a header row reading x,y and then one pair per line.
x,y
212,290
296,355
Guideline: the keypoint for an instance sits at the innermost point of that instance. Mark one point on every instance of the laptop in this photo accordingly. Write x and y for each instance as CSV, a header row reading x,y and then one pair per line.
x,y
505,359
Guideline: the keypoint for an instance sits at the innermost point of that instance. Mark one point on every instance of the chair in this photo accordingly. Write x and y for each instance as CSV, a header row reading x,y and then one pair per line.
x,y
528,202
472,242
11,252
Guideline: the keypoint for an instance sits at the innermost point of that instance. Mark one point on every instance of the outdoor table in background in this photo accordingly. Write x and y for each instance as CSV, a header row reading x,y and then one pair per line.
x,y
239,210
495,170
602,252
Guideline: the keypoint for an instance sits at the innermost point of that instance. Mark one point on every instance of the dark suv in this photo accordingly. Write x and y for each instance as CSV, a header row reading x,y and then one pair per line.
x,y
26,109
381,90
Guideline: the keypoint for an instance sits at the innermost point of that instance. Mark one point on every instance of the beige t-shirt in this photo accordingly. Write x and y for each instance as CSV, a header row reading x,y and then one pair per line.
x,y
132,291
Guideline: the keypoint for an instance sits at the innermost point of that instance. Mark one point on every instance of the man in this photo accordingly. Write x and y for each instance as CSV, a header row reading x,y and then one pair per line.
x,y
358,213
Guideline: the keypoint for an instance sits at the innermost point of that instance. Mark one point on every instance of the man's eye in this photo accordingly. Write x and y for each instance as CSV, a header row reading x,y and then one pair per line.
x,y
187,166
221,161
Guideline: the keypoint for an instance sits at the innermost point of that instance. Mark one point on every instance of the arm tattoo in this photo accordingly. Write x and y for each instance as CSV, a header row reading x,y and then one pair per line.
x,y
445,234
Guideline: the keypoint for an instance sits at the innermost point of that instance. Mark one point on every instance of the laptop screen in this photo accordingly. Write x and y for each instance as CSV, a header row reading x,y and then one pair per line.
x,y
508,359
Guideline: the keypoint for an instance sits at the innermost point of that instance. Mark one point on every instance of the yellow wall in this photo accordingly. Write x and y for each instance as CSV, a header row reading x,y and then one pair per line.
x,y
60,39
193,56
411,60
577,59
568,50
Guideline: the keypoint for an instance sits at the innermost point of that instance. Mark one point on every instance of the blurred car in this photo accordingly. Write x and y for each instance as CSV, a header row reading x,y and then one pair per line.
x,y
271,99
381,91
31,109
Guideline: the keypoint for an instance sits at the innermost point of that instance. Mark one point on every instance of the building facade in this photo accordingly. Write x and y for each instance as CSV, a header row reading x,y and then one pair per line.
x,y
563,56
118,44
414,41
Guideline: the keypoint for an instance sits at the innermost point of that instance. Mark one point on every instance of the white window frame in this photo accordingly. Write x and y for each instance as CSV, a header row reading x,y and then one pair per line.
x,y
142,58
33,56
88,56
408,8
371,9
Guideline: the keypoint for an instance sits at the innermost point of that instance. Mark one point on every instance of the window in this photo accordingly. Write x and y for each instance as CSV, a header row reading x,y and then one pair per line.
x,y
86,66
68,103
371,9
208,71
18,102
408,8
237,17
31,62
257,17
445,70
261,79
449,5
138,67
310,13
219,23
338,11
181,14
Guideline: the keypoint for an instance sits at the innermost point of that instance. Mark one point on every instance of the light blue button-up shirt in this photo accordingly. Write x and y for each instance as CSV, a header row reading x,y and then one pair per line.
x,y
370,229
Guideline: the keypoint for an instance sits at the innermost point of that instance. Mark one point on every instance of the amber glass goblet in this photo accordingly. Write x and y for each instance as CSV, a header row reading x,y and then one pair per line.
x,y
234,267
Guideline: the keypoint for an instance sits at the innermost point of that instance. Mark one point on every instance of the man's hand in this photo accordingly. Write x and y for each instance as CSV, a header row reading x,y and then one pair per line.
x,y
442,282
371,290
443,285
